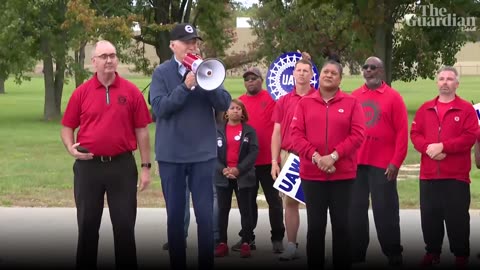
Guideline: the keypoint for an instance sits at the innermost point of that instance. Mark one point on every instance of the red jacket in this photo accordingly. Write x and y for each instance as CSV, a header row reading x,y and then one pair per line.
x,y
457,132
324,127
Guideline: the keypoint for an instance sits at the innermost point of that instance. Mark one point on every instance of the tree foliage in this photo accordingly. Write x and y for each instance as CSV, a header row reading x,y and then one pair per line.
x,y
14,51
407,52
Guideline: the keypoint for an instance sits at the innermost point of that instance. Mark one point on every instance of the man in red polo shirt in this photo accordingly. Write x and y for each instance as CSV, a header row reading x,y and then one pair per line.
x,y
282,146
379,159
260,107
112,117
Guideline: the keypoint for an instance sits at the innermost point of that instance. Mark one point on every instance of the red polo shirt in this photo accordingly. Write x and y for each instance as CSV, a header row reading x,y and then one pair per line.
x,y
260,109
283,114
107,125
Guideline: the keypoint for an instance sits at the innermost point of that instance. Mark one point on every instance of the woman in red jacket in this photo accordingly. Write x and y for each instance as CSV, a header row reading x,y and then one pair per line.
x,y
328,128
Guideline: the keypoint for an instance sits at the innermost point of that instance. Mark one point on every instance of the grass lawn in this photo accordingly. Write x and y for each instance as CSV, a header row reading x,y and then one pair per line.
x,y
37,171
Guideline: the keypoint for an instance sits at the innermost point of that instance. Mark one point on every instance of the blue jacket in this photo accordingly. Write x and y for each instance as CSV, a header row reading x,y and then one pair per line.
x,y
185,119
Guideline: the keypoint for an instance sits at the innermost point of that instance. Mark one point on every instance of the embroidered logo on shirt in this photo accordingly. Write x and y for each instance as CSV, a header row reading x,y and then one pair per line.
x,y
372,112
341,111
219,143
456,118
122,100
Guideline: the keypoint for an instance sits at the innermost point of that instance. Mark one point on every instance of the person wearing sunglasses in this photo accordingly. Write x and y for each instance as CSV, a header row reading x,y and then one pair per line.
x,y
260,106
386,123
328,128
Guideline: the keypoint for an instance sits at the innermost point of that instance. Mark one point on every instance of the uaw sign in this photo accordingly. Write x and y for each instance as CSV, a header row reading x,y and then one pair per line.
x,y
280,75
477,110
288,181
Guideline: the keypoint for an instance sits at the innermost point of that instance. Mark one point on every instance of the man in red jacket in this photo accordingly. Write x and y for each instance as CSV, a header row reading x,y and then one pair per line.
x,y
444,131
379,158
328,127
260,106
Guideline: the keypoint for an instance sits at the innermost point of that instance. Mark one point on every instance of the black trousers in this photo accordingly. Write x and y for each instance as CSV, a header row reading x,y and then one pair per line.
x,y
118,179
372,182
333,196
445,201
246,199
275,206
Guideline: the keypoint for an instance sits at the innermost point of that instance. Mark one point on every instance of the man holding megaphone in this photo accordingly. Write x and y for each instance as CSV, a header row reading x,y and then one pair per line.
x,y
185,140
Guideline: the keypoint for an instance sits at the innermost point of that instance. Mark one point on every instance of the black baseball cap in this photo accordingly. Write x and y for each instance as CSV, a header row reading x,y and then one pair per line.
x,y
184,31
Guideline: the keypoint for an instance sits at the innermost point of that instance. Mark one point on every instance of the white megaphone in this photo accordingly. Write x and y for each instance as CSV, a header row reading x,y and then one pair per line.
x,y
209,73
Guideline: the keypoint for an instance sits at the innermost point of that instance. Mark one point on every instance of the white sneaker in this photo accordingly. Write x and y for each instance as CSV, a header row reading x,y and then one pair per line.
x,y
290,253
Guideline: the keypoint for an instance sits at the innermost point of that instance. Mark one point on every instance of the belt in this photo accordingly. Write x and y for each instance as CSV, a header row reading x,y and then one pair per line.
x,y
106,159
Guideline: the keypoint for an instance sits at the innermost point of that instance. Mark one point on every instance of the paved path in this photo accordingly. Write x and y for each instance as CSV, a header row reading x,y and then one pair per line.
x,y
33,237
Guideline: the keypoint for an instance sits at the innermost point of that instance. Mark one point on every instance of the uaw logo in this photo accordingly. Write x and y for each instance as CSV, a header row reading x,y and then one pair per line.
x,y
477,110
280,75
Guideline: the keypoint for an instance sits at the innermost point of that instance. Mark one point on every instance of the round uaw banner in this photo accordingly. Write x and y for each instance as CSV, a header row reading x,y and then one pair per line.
x,y
280,75
477,110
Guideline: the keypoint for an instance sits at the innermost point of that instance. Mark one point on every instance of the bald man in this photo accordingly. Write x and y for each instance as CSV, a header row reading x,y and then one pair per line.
x,y
379,159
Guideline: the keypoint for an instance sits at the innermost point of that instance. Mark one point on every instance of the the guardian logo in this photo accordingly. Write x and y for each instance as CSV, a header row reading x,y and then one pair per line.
x,y
433,16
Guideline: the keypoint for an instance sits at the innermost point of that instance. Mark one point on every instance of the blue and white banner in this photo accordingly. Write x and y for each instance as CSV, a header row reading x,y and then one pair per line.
x,y
477,110
280,80
288,181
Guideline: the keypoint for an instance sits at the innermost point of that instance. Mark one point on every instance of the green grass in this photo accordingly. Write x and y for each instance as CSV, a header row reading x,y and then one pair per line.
x,y
37,171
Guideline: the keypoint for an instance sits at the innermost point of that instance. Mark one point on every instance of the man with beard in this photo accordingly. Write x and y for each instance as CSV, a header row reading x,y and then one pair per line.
x,y
328,128
443,132
379,159
260,107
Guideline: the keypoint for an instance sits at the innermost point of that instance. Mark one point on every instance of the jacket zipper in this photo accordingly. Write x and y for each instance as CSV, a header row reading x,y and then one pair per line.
x,y
326,133
439,131
107,96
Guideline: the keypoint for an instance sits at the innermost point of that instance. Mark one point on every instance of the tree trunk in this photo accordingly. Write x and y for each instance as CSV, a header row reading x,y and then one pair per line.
x,y
162,47
53,82
2,86
80,63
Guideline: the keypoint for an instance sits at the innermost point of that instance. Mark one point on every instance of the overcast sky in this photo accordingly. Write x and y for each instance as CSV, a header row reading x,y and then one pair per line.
x,y
248,3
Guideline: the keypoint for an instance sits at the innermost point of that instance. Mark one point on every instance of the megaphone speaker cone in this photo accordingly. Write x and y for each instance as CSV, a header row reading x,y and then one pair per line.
x,y
210,74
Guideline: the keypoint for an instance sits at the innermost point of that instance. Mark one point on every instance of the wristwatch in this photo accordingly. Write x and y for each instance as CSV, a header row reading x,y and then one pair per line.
x,y
146,165
334,157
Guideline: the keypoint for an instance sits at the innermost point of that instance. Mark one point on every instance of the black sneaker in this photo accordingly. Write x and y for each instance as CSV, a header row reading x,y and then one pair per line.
x,y
395,260
238,246
277,246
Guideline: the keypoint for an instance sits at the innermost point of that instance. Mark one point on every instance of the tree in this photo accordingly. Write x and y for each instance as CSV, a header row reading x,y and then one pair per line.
x,y
407,52
283,26
156,19
91,20
13,57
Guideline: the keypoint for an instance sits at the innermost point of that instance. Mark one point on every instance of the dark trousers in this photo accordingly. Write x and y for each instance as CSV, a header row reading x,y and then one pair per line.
x,y
333,196
372,181
118,179
200,182
445,201
275,207
246,199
